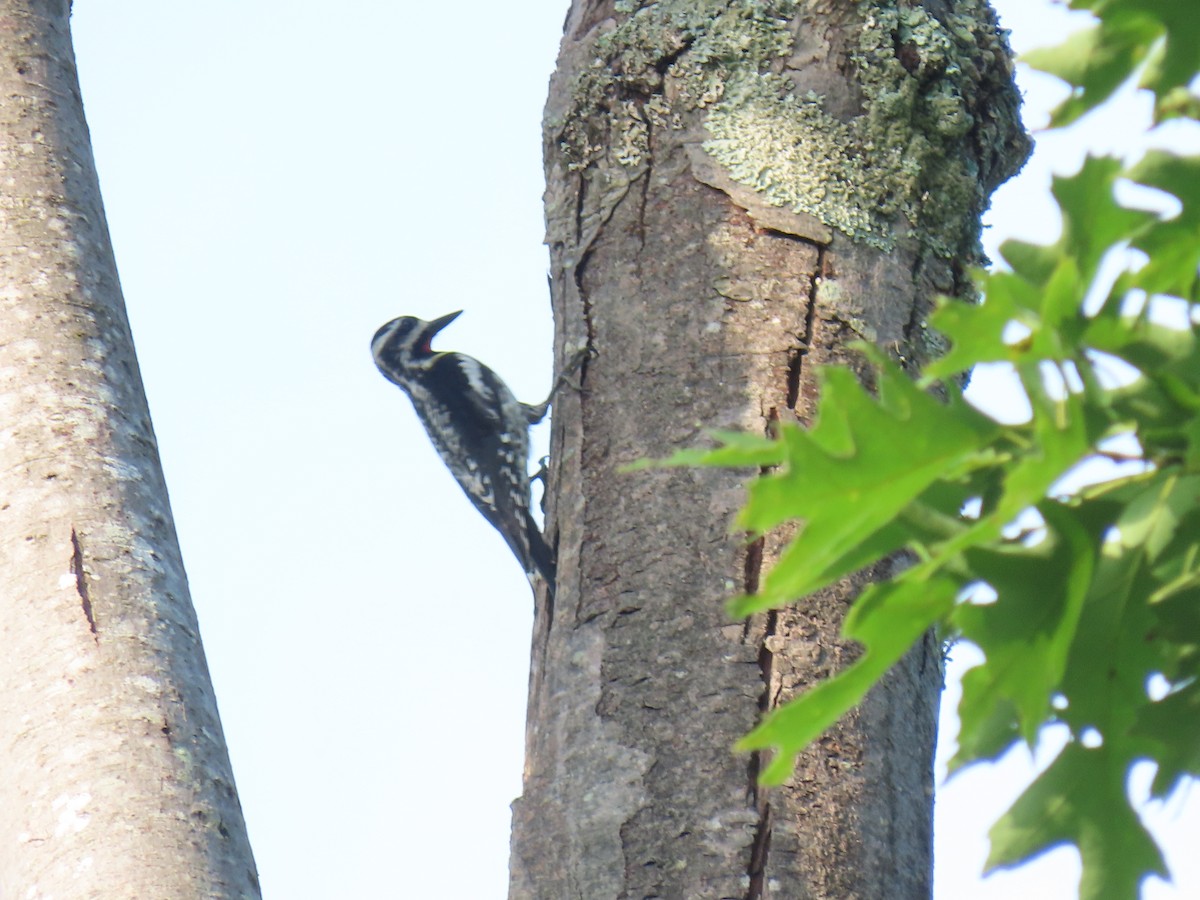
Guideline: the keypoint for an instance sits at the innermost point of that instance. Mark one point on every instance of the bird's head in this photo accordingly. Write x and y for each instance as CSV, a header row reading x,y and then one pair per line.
x,y
403,344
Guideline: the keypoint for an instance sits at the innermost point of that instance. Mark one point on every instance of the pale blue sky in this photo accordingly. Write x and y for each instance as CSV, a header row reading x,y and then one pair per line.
x,y
278,184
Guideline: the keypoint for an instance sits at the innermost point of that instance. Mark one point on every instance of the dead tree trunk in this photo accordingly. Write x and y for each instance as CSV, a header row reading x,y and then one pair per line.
x,y
736,190
116,778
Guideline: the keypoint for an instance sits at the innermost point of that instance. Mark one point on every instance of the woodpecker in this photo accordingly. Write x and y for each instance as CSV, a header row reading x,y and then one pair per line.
x,y
480,430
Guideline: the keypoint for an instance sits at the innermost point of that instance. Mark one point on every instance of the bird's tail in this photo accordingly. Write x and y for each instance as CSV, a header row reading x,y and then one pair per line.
x,y
541,561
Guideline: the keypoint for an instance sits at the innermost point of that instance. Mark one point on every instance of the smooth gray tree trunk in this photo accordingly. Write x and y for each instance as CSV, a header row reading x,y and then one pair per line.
x,y
116,781
736,190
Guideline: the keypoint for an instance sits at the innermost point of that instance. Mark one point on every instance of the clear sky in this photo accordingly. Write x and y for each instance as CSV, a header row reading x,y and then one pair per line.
x,y
278,184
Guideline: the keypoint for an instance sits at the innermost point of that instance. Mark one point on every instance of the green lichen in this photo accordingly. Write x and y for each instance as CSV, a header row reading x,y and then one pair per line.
x,y
794,154
901,158
706,41
916,72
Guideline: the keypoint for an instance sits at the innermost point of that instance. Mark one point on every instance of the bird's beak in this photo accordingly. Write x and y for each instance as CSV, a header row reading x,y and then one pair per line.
x,y
438,324
432,328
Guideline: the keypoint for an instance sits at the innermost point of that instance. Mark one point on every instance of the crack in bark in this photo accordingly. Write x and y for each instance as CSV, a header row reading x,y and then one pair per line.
x,y
758,854
645,176
795,367
588,324
579,207
753,567
752,575
761,846
917,312
549,611
796,358
665,63
81,586
577,273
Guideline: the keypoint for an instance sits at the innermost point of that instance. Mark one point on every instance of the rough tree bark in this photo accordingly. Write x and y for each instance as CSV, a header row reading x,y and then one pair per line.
x,y
736,189
116,778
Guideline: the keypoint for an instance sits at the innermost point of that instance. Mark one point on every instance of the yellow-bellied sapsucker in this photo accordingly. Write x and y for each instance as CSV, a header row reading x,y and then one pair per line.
x,y
480,430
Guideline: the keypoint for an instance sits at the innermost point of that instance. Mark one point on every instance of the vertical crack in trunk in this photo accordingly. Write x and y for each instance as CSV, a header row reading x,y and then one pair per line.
x,y
795,365
761,846
577,261
580,199
585,303
752,571
916,312
645,176
752,568
81,586
796,358
917,315
752,577
758,852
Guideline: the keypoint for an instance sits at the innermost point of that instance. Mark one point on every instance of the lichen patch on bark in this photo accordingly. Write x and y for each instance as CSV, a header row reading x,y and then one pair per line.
x,y
885,163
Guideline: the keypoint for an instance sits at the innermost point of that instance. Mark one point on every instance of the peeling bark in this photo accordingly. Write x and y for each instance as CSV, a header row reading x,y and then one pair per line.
x,y
706,301
116,779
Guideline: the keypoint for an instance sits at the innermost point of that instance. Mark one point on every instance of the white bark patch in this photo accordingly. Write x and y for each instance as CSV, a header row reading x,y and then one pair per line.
x,y
147,685
71,816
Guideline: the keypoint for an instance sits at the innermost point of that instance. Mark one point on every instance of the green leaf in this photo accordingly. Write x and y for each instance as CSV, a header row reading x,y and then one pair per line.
x,y
1150,522
1178,103
1111,658
1092,220
1143,343
1172,245
991,725
1059,440
1143,619
1148,573
1173,725
1027,633
1081,799
1163,34
738,448
977,332
1046,289
887,619
1177,58
854,472
1095,62
1033,262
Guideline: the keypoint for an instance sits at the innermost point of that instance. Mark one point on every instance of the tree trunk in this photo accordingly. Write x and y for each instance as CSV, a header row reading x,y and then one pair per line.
x,y
116,778
736,190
